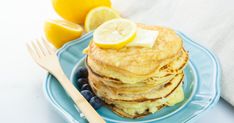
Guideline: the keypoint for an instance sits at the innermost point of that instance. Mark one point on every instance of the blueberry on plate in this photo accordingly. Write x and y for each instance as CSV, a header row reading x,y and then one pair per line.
x,y
82,72
96,102
81,82
87,94
85,87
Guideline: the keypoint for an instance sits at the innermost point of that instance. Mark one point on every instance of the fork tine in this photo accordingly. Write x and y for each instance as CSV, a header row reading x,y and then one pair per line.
x,y
46,46
31,51
42,50
37,50
49,48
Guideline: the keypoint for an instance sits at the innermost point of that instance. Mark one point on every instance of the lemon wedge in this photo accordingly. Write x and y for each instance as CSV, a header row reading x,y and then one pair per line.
x,y
115,33
59,32
99,15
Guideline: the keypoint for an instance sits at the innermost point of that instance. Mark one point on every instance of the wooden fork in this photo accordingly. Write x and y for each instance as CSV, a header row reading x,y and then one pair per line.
x,y
45,56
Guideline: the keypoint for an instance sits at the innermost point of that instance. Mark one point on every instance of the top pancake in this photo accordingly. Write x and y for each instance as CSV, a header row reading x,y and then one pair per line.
x,y
139,60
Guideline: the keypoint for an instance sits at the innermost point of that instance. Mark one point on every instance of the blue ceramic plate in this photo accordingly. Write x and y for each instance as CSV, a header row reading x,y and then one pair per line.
x,y
201,86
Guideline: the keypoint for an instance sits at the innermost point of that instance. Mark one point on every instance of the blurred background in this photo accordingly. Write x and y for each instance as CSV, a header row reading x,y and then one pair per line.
x,y
209,22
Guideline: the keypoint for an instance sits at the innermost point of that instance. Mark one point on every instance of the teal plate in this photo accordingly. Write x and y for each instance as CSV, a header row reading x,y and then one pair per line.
x,y
201,86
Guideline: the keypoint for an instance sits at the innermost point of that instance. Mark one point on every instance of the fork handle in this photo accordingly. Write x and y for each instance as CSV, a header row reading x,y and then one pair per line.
x,y
89,112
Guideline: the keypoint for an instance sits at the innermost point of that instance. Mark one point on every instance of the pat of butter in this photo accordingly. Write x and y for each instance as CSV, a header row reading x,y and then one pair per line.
x,y
144,38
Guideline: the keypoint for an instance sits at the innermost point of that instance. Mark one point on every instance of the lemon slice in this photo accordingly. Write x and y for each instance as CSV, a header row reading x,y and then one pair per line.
x,y
115,33
99,15
59,32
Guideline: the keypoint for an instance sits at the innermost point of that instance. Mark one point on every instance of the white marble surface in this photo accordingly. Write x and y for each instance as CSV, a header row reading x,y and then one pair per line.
x,y
21,97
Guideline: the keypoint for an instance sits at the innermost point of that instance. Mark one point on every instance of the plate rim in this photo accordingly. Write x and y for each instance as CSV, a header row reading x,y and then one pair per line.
x,y
214,58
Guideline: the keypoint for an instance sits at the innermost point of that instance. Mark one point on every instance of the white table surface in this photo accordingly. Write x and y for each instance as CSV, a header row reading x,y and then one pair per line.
x,y
21,96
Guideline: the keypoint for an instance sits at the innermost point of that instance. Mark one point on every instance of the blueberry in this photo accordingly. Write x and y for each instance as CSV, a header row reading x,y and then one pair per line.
x,y
81,82
87,94
96,102
82,72
86,87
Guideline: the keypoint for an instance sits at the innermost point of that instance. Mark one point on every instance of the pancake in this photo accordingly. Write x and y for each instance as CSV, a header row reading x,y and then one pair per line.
x,y
135,115
134,64
140,109
131,89
154,94
137,110
167,72
121,90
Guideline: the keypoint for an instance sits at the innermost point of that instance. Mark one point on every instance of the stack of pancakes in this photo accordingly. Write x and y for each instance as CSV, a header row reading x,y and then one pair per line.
x,y
136,81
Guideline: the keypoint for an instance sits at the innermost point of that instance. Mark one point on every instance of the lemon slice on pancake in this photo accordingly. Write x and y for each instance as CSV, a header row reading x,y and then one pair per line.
x,y
115,33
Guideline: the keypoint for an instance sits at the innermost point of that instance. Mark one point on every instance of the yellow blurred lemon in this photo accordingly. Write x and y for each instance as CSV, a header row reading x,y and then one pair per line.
x,y
76,10
115,33
59,32
99,15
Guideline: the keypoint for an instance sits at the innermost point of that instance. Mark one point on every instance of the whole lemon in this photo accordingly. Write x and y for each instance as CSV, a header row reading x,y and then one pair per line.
x,y
76,10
